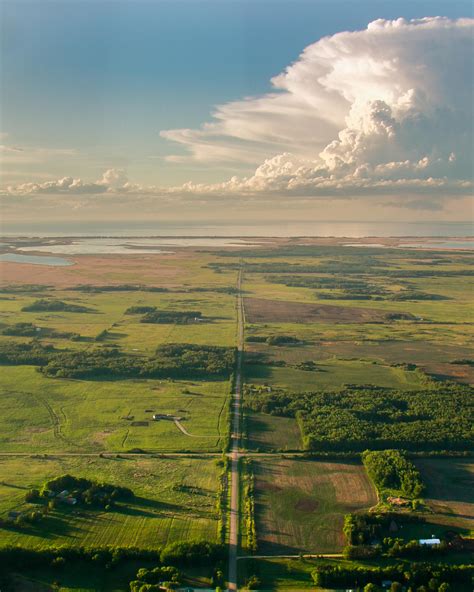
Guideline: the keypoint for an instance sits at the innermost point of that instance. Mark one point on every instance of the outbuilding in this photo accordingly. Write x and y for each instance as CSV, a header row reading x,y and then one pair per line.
x,y
430,542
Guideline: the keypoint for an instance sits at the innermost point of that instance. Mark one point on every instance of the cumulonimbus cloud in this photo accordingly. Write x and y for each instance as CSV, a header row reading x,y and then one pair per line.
x,y
382,111
387,106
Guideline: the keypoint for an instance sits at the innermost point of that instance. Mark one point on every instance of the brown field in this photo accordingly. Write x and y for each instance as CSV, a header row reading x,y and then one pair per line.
x,y
434,358
300,504
449,491
261,310
96,270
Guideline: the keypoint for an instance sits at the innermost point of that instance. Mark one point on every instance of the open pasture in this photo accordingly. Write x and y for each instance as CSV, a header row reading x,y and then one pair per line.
x,y
267,433
53,415
300,504
174,500
333,373
107,311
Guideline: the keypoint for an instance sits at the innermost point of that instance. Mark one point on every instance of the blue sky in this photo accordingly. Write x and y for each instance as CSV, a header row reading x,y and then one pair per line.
x,y
107,76
89,85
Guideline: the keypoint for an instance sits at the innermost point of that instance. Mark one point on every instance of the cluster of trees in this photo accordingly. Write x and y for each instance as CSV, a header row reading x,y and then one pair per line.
x,y
31,330
171,317
169,361
85,491
189,553
274,339
25,288
283,340
231,290
396,547
133,310
21,330
390,469
249,505
371,528
222,497
23,520
45,305
412,295
34,353
356,418
419,577
153,580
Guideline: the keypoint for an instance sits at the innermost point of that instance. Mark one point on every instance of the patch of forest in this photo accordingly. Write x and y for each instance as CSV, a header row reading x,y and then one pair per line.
x,y
169,361
355,418
45,305
32,330
172,317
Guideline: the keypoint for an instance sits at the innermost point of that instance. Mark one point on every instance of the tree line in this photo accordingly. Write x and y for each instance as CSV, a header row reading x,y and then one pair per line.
x,y
412,576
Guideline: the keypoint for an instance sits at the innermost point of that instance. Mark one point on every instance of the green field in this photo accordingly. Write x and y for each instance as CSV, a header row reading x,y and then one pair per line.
x,y
54,415
348,322
174,500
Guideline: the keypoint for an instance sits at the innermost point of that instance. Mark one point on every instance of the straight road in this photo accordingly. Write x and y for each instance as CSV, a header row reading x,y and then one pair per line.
x,y
235,442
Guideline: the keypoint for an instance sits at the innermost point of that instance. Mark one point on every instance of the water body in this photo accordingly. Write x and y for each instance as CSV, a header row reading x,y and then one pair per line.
x,y
429,244
35,259
443,245
122,246
225,230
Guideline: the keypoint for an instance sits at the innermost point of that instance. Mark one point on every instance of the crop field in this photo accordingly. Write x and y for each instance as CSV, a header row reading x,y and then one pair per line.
x,y
261,310
300,504
449,486
174,500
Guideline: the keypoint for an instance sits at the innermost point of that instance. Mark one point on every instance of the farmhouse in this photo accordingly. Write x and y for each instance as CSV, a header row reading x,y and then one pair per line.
x,y
158,416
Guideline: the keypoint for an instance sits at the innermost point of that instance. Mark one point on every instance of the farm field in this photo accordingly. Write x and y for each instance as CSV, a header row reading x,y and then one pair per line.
x,y
378,337
449,485
174,500
55,415
300,504
268,433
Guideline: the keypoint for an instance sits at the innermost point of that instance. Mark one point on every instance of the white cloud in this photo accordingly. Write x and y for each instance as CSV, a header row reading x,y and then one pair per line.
x,y
387,106
383,111
113,180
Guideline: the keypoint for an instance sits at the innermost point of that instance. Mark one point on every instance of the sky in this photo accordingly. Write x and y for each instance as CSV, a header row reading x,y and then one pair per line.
x,y
261,109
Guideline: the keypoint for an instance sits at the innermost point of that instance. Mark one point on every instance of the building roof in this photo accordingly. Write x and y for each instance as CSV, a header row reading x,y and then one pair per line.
x,y
429,541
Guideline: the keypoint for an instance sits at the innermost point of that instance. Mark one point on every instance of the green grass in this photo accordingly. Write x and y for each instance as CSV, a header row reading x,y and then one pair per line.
x,y
279,574
48,415
333,373
175,500
270,432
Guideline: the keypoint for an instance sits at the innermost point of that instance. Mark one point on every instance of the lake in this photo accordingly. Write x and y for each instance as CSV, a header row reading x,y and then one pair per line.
x,y
35,259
